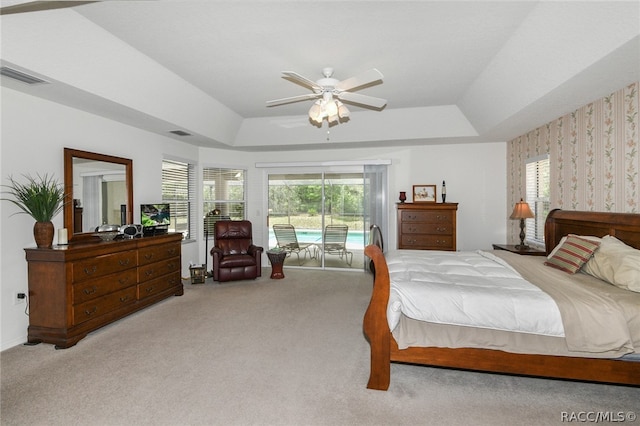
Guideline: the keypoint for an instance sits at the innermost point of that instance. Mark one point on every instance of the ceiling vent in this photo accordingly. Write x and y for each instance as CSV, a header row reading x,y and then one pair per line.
x,y
21,76
180,133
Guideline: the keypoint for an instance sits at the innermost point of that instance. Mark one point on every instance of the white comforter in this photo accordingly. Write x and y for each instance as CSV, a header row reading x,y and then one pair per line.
x,y
474,289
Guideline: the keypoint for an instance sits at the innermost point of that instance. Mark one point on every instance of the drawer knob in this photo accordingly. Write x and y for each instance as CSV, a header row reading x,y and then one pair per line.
x,y
171,251
124,299
124,262
123,280
149,289
91,270
91,312
91,290
148,256
149,272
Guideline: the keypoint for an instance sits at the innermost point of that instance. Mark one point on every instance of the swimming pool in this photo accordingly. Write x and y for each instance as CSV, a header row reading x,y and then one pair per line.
x,y
355,239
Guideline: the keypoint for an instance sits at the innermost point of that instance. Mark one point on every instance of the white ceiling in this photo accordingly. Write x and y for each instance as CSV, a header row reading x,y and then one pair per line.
x,y
453,71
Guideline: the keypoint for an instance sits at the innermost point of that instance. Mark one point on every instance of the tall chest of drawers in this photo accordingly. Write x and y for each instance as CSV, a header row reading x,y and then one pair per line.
x,y
427,226
79,288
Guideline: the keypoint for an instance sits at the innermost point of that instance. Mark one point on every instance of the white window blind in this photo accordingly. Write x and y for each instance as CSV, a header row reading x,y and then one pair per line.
x,y
537,170
223,195
178,189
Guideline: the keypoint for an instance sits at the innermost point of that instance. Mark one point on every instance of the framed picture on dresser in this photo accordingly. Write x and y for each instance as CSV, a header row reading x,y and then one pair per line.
x,y
424,193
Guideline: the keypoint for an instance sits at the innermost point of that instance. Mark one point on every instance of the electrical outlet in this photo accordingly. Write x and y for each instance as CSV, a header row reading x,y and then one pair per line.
x,y
19,297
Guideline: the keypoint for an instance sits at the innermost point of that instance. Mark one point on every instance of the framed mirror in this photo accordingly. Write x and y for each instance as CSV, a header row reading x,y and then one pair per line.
x,y
99,188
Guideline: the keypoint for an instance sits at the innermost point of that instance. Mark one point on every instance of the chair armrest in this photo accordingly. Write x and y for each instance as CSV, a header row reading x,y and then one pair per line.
x,y
254,249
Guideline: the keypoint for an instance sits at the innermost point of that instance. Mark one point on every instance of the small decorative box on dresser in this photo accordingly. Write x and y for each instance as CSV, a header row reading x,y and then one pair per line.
x,y
79,288
427,226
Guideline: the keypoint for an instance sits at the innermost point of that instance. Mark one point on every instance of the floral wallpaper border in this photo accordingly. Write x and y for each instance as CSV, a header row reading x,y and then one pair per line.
x,y
593,156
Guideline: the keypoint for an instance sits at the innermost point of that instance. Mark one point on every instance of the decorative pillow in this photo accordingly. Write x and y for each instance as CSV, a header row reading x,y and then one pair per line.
x,y
563,239
572,254
616,263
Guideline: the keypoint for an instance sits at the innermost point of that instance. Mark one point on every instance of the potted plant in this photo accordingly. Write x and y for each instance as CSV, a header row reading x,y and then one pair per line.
x,y
42,198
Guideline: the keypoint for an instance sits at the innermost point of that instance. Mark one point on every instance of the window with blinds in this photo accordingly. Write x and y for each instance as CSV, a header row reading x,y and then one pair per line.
x,y
178,189
537,170
223,195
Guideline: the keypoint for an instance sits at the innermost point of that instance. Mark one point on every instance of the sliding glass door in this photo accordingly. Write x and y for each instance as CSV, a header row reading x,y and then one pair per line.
x,y
325,212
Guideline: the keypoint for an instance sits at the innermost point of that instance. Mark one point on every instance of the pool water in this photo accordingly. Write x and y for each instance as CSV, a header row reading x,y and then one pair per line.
x,y
355,239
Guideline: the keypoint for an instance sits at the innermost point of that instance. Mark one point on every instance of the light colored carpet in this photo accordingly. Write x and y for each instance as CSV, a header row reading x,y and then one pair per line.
x,y
267,352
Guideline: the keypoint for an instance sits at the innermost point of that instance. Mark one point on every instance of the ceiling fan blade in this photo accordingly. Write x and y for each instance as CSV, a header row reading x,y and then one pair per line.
x,y
362,99
302,80
292,99
366,77
34,6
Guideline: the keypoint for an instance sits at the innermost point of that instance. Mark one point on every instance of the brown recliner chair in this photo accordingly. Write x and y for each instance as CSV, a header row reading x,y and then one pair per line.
x,y
234,255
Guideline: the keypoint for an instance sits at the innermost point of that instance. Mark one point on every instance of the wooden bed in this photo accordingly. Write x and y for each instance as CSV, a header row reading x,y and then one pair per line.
x,y
384,349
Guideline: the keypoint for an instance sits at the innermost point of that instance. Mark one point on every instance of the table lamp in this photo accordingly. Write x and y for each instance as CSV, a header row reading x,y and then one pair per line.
x,y
522,211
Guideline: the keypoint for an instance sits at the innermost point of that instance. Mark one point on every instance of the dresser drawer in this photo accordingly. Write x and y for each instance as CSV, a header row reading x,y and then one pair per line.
x,y
155,286
427,216
158,269
87,290
427,228
153,254
103,265
100,306
428,242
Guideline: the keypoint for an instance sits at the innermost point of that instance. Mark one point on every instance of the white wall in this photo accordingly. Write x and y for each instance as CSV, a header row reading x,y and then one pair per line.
x,y
34,133
475,176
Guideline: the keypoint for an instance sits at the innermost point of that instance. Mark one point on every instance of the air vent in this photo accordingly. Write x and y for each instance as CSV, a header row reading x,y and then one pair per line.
x,y
180,133
20,76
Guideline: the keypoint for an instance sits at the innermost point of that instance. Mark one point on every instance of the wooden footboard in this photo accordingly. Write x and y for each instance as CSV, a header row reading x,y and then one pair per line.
x,y
384,349
376,327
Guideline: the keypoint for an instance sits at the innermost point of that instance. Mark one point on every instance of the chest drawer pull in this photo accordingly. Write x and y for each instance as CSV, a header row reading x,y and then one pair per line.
x,y
149,289
124,262
91,312
149,272
124,299
91,290
91,271
172,251
123,280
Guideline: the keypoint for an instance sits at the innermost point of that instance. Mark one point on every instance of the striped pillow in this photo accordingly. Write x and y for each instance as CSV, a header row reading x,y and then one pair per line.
x,y
572,254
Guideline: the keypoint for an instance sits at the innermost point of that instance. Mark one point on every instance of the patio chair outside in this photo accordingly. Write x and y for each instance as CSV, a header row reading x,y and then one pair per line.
x,y
335,242
288,241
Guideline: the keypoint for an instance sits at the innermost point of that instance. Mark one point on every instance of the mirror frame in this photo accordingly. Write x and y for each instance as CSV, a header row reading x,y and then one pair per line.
x,y
69,155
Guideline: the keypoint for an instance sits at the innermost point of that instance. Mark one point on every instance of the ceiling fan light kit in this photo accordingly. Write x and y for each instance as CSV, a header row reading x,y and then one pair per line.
x,y
332,110
331,92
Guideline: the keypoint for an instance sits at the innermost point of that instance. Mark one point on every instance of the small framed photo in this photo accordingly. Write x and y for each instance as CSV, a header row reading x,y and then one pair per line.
x,y
424,193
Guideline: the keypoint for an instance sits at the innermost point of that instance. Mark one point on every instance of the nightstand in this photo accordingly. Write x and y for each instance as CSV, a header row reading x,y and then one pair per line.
x,y
512,248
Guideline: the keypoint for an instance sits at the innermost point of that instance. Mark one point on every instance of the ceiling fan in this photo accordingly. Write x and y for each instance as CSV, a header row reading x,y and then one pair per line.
x,y
329,93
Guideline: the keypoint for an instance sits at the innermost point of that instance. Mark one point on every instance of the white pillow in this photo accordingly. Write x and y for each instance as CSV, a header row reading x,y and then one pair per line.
x,y
616,263
585,237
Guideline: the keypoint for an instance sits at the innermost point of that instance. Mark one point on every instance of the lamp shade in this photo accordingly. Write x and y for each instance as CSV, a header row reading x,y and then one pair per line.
x,y
315,112
522,211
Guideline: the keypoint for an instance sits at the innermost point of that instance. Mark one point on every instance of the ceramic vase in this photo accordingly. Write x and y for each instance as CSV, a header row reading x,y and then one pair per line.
x,y
43,234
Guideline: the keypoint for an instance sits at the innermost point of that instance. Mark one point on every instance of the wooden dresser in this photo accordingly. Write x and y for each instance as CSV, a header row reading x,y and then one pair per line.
x,y
427,226
76,289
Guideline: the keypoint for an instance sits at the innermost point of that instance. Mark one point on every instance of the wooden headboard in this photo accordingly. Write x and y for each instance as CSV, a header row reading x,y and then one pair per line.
x,y
623,226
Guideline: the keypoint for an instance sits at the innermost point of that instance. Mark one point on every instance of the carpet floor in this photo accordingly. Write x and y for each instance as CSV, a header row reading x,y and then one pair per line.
x,y
269,352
